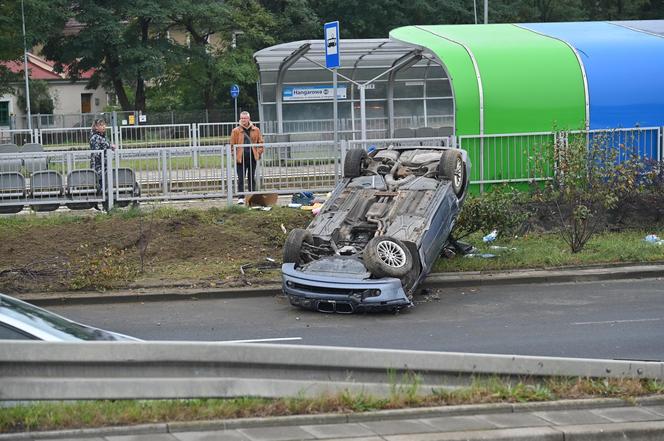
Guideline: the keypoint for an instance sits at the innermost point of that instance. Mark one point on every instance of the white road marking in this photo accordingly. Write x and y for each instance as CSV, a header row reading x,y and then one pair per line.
x,y
261,340
619,321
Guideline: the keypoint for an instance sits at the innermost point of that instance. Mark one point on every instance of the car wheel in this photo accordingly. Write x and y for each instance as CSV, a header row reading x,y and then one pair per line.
x,y
293,245
451,168
387,257
354,163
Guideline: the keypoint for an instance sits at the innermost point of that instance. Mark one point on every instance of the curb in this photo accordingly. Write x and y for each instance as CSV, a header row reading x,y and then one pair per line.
x,y
544,276
331,418
436,280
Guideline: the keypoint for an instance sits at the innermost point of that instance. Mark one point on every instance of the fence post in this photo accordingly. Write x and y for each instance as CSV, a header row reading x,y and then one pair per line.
x,y
229,175
343,147
70,162
109,179
164,171
193,142
481,163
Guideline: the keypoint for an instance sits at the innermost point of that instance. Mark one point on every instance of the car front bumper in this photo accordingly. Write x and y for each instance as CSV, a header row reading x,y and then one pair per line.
x,y
341,294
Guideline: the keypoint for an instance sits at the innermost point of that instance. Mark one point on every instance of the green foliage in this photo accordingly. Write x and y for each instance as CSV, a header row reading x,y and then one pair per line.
x,y
40,98
592,175
502,209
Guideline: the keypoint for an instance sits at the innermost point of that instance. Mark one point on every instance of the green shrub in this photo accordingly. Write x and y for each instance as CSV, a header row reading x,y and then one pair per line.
x,y
502,209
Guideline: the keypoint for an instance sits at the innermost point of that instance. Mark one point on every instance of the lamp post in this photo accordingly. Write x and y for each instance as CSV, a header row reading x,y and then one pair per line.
x,y
25,66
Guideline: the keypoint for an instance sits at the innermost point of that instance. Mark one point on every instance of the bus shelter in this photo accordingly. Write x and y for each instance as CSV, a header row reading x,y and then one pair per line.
x,y
383,85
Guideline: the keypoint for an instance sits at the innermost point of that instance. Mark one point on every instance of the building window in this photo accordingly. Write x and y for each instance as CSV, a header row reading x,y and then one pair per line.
x,y
4,113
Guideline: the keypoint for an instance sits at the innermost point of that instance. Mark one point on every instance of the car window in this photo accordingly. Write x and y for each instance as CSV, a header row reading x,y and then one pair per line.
x,y
50,322
10,333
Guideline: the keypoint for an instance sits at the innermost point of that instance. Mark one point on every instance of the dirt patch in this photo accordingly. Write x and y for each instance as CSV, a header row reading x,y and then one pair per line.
x,y
153,248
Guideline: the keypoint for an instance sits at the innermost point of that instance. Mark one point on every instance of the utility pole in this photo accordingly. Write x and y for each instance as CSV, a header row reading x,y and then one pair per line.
x,y
486,11
25,66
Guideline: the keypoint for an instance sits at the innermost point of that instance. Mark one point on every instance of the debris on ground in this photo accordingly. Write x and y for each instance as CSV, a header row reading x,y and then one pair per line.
x,y
311,207
482,255
268,264
490,237
654,239
303,198
261,199
499,248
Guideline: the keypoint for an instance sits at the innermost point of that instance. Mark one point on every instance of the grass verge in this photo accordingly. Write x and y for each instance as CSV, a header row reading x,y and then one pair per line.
x,y
547,250
226,247
85,414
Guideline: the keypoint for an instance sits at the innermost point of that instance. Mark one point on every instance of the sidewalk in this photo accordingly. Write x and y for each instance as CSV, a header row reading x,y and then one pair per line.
x,y
433,281
600,419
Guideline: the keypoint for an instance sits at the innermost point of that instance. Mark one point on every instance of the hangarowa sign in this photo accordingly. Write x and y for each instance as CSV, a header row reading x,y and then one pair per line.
x,y
305,93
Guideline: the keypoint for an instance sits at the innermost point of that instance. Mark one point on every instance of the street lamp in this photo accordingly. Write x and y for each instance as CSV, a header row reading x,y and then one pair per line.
x,y
25,66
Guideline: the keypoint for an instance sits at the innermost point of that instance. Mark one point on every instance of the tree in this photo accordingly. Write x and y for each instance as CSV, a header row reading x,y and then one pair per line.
x,y
41,17
40,98
212,63
295,20
122,40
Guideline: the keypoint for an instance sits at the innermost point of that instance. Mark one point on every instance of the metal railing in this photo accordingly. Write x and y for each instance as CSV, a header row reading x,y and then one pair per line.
x,y
153,136
17,136
150,370
188,170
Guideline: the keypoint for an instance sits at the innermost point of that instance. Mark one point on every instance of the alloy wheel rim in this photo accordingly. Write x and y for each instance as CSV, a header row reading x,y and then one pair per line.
x,y
458,173
391,254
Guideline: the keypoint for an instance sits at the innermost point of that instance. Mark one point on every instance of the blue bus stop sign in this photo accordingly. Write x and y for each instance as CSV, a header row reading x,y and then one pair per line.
x,y
332,45
235,90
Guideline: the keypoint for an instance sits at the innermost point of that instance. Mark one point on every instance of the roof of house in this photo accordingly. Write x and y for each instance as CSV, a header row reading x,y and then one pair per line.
x,y
41,69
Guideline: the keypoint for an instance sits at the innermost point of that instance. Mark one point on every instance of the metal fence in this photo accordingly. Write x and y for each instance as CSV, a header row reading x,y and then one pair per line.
x,y
154,163
18,137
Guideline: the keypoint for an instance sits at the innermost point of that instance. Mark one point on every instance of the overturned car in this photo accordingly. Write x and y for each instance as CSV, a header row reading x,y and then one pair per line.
x,y
378,235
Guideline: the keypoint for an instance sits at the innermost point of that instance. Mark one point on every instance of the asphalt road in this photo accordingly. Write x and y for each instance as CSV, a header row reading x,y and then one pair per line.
x,y
612,319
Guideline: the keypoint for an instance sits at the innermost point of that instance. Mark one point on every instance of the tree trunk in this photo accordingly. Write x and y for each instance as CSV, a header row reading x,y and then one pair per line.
x,y
139,103
118,84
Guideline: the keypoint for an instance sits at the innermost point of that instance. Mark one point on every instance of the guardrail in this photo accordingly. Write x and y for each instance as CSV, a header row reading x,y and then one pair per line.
x,y
142,370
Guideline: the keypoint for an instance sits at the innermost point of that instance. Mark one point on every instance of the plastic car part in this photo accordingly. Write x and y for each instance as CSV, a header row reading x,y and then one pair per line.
x,y
451,167
293,245
354,163
386,256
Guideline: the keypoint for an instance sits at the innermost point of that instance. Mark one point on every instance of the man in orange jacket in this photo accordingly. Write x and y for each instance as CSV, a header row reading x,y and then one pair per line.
x,y
245,157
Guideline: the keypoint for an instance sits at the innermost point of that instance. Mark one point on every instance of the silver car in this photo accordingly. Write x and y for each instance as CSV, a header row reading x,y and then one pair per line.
x,y
20,320
380,232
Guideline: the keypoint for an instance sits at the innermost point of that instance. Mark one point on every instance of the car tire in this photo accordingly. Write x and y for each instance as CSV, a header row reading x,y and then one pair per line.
x,y
354,163
293,245
387,257
451,168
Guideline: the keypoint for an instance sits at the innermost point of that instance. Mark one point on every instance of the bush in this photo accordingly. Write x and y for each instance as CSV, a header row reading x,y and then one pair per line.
x,y
502,209
593,174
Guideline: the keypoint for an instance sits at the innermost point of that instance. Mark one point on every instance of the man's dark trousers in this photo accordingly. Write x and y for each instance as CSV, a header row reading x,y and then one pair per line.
x,y
248,165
